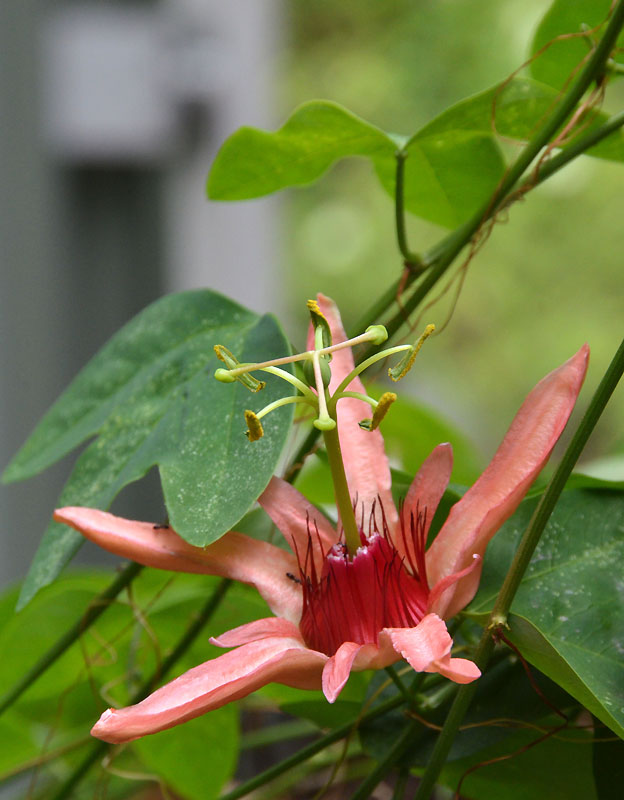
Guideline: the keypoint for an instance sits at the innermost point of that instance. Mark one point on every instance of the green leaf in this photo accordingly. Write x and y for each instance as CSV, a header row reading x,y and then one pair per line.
x,y
26,636
568,614
454,162
18,745
602,473
559,32
197,758
555,769
447,176
579,480
252,163
151,396
516,110
503,692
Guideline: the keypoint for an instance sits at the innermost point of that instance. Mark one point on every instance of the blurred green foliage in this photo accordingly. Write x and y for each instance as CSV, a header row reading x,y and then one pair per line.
x,y
549,277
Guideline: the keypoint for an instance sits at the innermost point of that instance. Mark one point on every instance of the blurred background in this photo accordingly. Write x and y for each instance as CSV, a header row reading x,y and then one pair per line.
x,y
111,115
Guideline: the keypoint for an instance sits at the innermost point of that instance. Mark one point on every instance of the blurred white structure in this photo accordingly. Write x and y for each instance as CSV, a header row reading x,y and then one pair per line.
x,y
112,113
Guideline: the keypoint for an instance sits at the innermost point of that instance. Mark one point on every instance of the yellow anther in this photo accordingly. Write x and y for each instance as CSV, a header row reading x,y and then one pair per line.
x,y
223,354
385,401
319,321
232,363
405,364
254,427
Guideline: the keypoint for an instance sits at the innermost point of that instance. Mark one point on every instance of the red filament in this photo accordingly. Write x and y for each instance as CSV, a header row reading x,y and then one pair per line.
x,y
352,600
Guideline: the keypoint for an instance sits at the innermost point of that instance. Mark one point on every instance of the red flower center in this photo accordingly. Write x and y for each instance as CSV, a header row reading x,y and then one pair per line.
x,y
354,599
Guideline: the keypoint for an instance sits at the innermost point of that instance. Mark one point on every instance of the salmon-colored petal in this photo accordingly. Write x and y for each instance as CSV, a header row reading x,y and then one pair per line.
x,y
213,684
429,641
256,630
296,517
235,555
423,498
427,648
435,595
354,657
495,496
365,461
459,670
337,670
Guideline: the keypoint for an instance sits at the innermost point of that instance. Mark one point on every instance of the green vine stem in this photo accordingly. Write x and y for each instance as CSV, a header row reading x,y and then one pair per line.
x,y
412,260
576,148
523,555
99,749
98,606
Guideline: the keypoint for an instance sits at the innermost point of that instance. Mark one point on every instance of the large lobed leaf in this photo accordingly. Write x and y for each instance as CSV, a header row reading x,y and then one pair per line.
x,y
454,162
151,398
568,614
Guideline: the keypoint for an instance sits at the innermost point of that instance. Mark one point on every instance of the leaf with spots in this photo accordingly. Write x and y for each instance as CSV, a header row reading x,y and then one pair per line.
x,y
151,399
568,615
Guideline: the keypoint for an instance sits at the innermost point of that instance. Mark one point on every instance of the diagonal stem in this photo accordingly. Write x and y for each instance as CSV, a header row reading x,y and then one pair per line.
x,y
521,560
99,749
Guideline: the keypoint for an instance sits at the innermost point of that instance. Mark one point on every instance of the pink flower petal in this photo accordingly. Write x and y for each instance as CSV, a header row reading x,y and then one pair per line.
x,y
365,460
213,684
354,657
424,496
495,496
427,648
459,670
337,670
256,630
443,584
235,555
296,518
424,644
